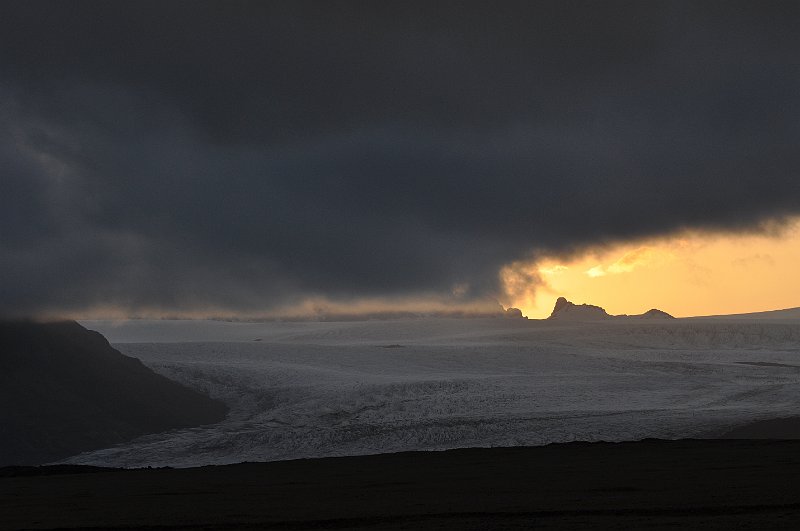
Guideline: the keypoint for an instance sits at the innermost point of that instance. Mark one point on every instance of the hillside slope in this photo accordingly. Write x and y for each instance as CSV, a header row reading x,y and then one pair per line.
x,y
64,390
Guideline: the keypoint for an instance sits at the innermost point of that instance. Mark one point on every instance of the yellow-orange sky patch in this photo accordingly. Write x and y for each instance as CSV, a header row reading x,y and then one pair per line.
x,y
685,274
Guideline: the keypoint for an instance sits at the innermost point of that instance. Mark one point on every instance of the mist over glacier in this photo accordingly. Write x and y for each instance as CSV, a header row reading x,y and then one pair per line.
x,y
300,390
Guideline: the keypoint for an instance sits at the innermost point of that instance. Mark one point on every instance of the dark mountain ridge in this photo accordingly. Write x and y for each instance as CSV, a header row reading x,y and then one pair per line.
x,y
569,311
65,390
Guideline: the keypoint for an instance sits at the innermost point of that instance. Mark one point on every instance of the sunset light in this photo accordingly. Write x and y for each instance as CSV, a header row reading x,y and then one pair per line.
x,y
685,274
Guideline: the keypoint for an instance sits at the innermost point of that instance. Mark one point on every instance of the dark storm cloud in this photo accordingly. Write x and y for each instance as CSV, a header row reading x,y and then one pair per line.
x,y
240,155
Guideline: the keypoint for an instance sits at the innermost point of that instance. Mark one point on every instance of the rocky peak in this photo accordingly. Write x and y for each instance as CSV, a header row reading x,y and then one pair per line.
x,y
561,302
566,310
514,313
655,313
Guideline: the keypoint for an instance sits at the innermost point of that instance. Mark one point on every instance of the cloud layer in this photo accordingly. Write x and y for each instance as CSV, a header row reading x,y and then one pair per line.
x,y
243,157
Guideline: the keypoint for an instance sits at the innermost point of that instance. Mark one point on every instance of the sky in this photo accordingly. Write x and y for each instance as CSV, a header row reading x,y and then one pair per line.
x,y
285,158
685,274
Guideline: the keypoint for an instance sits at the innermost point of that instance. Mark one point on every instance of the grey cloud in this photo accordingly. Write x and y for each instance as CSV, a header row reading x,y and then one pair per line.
x,y
244,155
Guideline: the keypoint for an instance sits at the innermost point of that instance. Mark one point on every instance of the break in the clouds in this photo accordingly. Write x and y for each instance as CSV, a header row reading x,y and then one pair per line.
x,y
179,156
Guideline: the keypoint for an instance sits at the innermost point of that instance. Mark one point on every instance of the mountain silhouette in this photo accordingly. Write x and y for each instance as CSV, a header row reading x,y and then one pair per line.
x,y
565,310
65,390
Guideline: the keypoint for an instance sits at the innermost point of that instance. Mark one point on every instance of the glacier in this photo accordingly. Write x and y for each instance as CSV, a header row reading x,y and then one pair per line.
x,y
317,389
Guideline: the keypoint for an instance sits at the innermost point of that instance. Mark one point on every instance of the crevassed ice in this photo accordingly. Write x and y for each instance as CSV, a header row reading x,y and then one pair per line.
x,y
329,389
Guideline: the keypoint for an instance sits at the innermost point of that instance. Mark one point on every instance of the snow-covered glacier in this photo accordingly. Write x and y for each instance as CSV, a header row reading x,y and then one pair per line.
x,y
326,389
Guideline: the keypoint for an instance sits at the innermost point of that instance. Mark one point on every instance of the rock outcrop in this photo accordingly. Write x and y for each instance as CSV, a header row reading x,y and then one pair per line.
x,y
655,313
65,390
569,311
513,313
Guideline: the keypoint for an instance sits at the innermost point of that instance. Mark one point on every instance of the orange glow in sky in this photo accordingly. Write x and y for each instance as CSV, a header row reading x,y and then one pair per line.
x,y
686,274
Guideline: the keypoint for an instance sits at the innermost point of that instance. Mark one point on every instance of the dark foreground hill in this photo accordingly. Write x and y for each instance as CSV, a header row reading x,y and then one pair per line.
x,y
64,390
708,485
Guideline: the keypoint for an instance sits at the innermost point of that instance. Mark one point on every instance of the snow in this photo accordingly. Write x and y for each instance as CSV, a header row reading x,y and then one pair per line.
x,y
326,389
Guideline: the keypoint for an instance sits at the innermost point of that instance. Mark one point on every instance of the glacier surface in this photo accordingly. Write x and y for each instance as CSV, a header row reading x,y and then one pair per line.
x,y
300,390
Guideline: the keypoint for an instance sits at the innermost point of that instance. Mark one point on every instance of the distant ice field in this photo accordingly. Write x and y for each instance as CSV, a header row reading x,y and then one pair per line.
x,y
328,389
